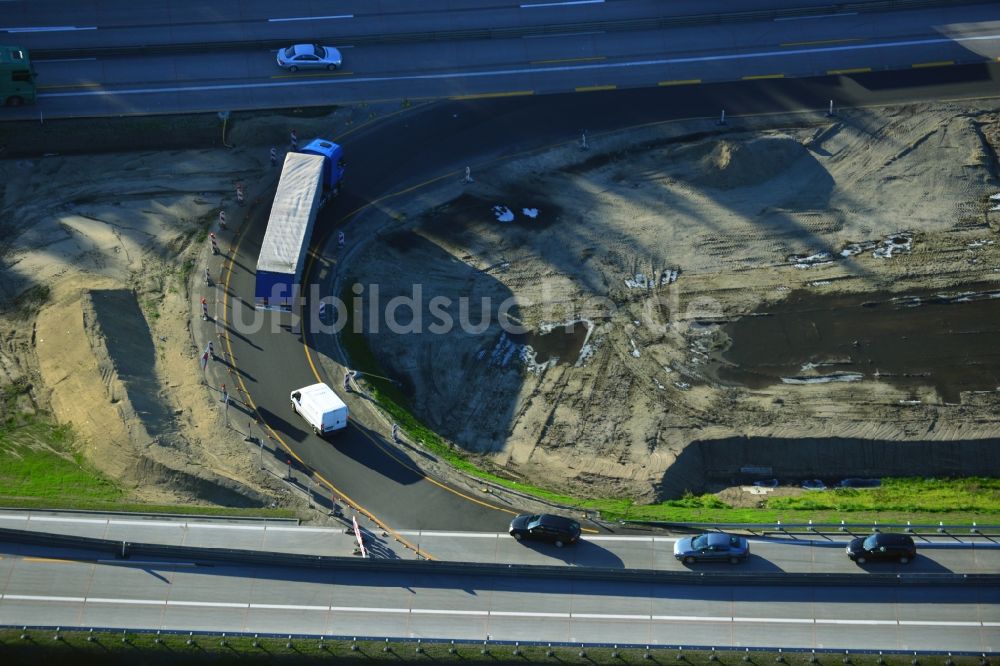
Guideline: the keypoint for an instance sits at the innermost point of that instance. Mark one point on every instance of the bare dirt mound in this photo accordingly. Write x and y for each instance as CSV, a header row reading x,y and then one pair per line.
x,y
106,385
103,228
727,164
122,225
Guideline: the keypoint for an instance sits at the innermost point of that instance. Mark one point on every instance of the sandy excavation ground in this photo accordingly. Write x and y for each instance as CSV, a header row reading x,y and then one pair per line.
x,y
662,241
118,238
788,277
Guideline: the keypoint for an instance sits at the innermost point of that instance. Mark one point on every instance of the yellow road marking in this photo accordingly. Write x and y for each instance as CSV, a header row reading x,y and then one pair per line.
x,y
595,88
434,481
389,451
850,70
512,93
824,41
935,63
277,438
288,449
57,86
679,82
561,60
453,175
756,77
49,560
296,75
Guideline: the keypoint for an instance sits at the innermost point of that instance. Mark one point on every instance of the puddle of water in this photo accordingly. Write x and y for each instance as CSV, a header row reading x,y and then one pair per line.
x,y
563,342
947,340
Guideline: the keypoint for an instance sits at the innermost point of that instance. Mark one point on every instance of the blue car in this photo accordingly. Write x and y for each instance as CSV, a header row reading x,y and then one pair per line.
x,y
712,546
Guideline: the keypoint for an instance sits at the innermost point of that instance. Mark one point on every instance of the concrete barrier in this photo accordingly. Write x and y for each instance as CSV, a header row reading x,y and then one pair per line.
x,y
125,550
510,32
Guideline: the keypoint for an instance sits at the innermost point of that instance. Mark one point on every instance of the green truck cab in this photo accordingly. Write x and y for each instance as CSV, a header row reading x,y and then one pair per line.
x,y
17,77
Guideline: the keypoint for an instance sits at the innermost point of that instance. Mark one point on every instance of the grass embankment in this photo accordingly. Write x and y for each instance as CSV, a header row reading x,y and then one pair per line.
x,y
40,468
952,501
106,648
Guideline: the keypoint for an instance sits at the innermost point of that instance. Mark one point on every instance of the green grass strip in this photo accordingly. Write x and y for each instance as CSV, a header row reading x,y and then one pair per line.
x,y
958,501
105,648
40,469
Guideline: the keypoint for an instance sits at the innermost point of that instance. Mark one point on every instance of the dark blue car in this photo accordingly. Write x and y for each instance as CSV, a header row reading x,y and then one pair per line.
x,y
712,546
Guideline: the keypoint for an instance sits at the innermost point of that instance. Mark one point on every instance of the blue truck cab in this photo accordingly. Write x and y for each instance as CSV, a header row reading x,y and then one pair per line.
x,y
333,166
309,179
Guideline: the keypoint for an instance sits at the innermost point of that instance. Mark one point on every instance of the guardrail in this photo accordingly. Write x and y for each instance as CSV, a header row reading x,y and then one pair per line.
x,y
390,644
512,32
953,530
191,517
125,550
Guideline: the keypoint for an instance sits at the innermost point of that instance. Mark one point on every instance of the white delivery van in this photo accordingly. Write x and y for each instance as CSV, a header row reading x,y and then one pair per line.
x,y
320,407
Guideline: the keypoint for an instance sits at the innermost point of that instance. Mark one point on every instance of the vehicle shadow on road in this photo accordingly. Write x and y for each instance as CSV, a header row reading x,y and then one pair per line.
x,y
279,424
920,565
753,564
584,553
368,447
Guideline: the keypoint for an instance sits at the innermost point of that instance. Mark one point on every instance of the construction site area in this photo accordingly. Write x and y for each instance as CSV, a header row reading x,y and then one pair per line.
x,y
792,297
677,307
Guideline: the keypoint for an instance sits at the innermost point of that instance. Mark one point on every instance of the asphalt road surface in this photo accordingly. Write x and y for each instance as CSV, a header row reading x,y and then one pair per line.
x,y
70,589
134,59
651,550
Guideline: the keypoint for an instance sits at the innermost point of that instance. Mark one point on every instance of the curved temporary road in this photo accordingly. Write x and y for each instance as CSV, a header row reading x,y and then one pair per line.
x,y
424,145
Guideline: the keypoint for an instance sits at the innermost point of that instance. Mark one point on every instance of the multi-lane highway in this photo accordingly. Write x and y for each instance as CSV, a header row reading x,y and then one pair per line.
x,y
632,549
927,608
123,58
78,589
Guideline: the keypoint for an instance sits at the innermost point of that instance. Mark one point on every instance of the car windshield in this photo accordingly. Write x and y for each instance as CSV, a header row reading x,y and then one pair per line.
x,y
871,543
533,522
290,51
700,542
320,51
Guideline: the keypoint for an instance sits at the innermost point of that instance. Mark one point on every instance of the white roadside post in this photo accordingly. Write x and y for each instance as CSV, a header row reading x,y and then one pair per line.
x,y
357,534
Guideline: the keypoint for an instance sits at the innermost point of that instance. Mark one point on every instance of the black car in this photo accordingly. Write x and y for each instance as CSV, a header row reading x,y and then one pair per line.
x,y
545,527
882,546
